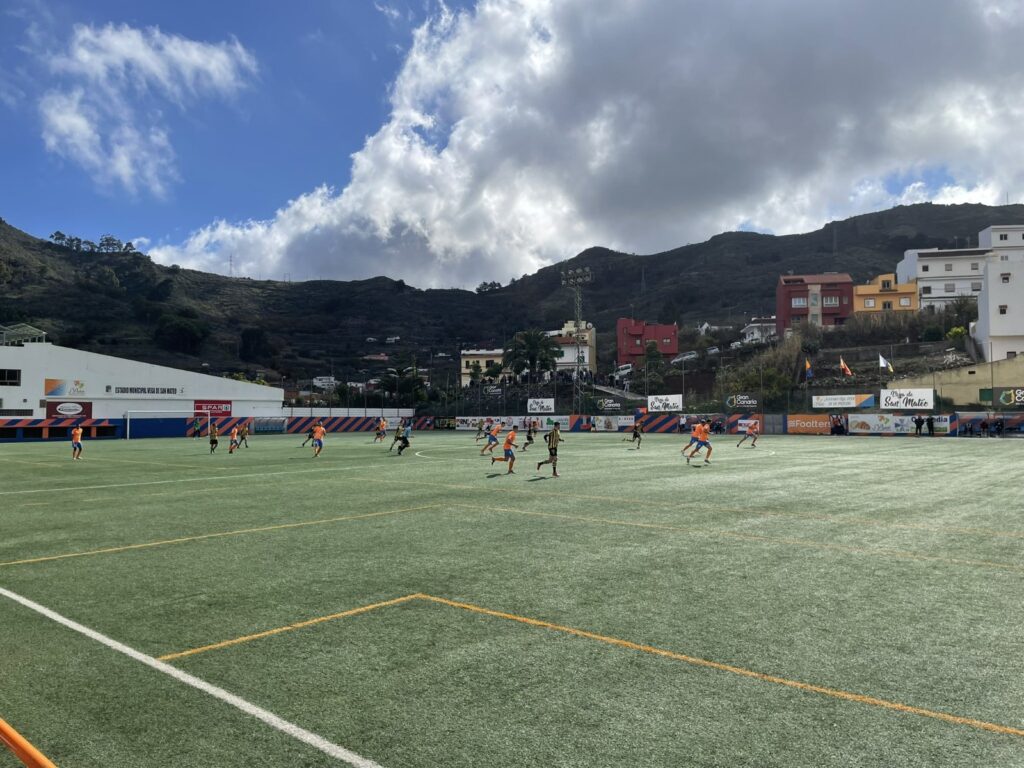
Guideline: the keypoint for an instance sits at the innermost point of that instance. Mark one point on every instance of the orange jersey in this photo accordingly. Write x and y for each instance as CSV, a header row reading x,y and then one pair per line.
x,y
702,431
509,439
496,430
319,432
752,428
76,434
234,433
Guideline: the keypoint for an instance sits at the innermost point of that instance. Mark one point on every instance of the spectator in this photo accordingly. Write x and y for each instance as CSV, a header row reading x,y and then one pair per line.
x,y
931,426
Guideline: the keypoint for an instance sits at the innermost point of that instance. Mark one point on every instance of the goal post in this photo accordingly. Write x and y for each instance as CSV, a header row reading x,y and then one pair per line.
x,y
190,415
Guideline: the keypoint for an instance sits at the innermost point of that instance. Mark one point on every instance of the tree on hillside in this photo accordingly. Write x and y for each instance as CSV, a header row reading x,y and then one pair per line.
x,y
533,351
59,238
109,244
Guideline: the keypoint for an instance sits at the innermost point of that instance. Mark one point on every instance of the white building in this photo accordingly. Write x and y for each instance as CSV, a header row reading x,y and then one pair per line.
x,y
943,275
566,338
999,332
41,380
758,330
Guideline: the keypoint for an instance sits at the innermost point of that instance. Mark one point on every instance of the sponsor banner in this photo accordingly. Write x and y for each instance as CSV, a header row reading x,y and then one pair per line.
x,y
540,405
605,424
909,399
66,409
63,387
492,390
808,424
1008,397
212,407
663,403
742,401
547,422
881,424
470,422
608,404
626,423
742,424
843,401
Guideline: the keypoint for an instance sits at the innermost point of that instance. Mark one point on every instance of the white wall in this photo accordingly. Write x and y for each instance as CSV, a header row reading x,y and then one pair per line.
x,y
997,334
114,385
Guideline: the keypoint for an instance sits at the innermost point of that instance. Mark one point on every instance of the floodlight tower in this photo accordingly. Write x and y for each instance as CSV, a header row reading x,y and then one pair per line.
x,y
576,279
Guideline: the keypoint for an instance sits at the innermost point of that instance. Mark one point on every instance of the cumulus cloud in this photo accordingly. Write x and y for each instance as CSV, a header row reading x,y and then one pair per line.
x,y
107,116
522,131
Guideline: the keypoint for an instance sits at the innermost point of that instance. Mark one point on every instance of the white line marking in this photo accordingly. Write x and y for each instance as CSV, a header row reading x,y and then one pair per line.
x,y
319,742
186,480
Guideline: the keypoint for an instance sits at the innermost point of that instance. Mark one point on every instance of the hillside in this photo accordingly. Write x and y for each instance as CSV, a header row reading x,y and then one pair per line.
x,y
123,304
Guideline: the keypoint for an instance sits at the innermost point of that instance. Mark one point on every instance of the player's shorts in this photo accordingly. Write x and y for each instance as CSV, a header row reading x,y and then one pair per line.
x,y
318,443
692,441
553,452
76,446
234,443
491,439
509,453
703,444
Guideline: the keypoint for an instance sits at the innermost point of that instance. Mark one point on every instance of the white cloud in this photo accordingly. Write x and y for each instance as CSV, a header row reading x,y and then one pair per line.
x,y
527,130
106,118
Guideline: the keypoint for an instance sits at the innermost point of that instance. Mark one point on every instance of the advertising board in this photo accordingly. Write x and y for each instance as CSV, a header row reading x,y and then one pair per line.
x,y
908,399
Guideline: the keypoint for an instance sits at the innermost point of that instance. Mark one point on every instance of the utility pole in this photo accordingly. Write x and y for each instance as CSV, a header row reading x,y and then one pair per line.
x,y
576,279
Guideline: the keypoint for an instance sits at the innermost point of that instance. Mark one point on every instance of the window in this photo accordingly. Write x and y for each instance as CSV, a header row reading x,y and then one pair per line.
x,y
926,290
904,301
869,303
886,305
887,285
975,286
1004,257
636,342
1003,237
666,341
974,266
949,267
949,287
830,301
1005,277
799,301
924,267
1010,355
10,377
1002,309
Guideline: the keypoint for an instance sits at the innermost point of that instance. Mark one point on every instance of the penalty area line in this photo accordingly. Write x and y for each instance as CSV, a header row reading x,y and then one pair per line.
x,y
269,718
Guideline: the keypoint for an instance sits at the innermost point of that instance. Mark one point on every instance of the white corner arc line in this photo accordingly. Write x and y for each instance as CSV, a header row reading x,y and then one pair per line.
x,y
301,734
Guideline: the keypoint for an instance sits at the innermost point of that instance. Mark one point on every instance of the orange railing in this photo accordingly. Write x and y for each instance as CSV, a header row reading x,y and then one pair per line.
x,y
22,750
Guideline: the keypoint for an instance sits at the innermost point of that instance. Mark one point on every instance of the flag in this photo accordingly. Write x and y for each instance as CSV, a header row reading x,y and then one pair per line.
x,y
808,372
844,367
883,363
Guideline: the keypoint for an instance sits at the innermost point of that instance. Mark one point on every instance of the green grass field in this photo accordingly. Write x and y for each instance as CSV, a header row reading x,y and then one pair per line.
x,y
811,602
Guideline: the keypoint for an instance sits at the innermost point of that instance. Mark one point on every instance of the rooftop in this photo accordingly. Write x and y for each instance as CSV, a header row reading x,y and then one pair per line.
x,y
16,335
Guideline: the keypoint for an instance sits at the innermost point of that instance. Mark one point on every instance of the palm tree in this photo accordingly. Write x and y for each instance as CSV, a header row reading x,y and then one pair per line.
x,y
532,351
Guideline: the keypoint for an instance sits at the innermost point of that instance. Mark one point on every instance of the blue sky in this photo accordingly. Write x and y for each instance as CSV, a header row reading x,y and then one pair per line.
x,y
320,89
446,143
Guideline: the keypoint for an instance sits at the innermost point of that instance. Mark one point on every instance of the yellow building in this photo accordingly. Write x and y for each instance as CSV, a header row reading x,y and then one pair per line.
x,y
884,294
485,357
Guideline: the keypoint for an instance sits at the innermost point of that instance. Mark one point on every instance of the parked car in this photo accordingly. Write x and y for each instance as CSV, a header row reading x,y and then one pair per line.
x,y
714,351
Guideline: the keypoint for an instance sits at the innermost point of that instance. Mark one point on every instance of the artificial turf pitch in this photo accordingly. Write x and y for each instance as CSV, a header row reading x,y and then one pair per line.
x,y
811,602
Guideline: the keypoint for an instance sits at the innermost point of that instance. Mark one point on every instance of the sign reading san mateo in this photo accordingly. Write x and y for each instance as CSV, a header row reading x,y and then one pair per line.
x,y
910,399
147,391
540,405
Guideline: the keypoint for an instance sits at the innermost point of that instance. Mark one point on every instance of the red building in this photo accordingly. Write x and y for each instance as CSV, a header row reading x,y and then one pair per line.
x,y
822,300
631,337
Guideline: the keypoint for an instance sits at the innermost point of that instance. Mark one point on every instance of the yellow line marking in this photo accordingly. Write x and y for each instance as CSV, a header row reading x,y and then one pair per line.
x,y
681,506
184,539
757,537
291,627
617,642
833,692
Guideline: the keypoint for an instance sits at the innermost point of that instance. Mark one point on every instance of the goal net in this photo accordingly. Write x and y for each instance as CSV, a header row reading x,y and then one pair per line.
x,y
188,416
